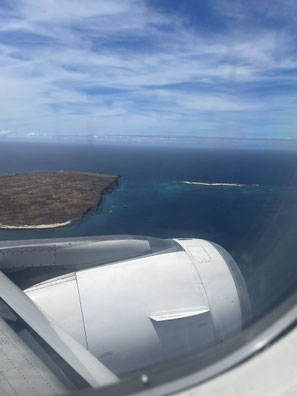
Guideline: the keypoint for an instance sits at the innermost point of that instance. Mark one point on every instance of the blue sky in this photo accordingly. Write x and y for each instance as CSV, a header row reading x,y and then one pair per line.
x,y
131,68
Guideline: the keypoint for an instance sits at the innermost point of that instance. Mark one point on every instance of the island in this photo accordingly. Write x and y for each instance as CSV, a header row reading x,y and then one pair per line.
x,y
220,184
50,199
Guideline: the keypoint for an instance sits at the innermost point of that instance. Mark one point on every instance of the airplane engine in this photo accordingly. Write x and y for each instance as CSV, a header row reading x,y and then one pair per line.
x,y
171,300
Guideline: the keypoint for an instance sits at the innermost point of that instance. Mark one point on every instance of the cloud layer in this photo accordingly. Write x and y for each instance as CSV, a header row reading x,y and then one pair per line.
x,y
172,68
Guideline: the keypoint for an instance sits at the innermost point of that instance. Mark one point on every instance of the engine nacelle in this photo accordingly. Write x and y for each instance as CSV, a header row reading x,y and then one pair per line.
x,y
160,305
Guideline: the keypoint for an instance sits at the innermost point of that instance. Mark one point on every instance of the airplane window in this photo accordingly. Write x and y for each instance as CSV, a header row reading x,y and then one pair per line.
x,y
148,191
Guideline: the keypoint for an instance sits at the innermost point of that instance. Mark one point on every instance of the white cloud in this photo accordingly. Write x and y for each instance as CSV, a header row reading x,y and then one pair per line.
x,y
33,134
54,77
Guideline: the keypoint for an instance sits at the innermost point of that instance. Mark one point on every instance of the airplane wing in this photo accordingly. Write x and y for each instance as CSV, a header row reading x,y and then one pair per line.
x,y
22,369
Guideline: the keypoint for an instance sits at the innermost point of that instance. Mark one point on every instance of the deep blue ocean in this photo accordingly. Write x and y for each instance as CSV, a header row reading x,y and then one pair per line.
x,y
256,224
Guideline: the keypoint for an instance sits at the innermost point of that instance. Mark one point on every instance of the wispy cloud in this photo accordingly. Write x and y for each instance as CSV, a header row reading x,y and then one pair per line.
x,y
139,67
32,134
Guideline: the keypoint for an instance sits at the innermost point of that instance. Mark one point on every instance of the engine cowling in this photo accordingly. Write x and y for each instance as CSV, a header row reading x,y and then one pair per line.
x,y
137,313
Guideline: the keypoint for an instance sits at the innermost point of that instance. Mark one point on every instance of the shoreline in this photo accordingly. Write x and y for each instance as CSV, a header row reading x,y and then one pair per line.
x,y
34,227
220,184
70,195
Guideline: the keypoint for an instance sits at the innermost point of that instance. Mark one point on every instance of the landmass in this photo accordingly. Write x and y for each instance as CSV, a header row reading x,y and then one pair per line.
x,y
220,184
50,199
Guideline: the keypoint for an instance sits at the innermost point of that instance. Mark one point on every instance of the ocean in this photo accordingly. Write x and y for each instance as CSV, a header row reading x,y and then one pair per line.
x,y
256,222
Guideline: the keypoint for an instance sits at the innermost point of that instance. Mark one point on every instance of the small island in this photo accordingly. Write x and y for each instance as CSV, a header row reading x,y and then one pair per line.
x,y
220,184
50,199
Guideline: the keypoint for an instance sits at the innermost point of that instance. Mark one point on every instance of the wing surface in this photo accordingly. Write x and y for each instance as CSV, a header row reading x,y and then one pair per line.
x,y
71,351
21,370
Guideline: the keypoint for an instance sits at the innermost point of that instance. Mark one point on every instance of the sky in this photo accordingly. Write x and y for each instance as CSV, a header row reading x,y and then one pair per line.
x,y
156,69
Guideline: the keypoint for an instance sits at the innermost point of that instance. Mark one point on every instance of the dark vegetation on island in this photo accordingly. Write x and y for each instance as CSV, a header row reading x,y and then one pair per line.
x,y
37,199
